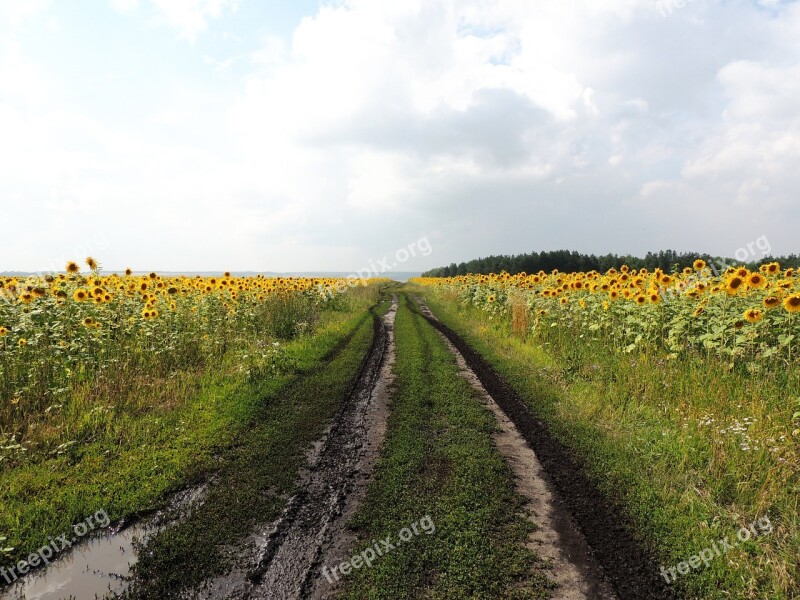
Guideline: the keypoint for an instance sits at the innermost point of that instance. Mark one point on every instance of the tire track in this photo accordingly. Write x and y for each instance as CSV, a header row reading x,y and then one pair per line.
x,y
311,532
570,510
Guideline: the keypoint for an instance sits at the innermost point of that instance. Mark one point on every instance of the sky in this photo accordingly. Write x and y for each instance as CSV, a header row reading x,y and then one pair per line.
x,y
199,135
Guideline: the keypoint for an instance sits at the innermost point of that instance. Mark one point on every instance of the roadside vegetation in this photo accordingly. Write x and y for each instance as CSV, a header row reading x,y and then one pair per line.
x,y
693,432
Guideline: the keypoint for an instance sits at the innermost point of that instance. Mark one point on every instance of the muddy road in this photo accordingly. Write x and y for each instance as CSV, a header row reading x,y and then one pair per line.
x,y
311,532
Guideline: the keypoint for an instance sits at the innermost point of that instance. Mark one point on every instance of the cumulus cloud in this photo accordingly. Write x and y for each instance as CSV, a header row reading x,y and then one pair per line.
x,y
496,126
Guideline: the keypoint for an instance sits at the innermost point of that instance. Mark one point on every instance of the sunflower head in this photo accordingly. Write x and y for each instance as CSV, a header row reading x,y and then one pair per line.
x,y
3,331
80,295
91,263
734,284
792,303
753,315
72,267
699,264
756,280
771,302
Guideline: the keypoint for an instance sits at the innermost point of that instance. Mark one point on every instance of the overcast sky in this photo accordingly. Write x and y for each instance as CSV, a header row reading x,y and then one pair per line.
x,y
298,135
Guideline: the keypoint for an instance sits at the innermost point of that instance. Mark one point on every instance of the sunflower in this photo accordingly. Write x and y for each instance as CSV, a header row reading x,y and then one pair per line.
x,y
564,301
792,303
128,272
773,268
80,295
771,302
641,300
699,264
88,321
613,294
22,342
91,263
491,298
3,331
753,315
655,298
72,267
734,284
756,280
698,311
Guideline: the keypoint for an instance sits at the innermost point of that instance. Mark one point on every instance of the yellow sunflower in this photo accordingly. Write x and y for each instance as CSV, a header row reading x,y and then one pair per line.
x,y
792,303
80,295
756,280
771,302
753,315
734,284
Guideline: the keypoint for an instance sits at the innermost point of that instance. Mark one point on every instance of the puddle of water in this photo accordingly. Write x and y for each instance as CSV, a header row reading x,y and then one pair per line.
x,y
96,568
100,566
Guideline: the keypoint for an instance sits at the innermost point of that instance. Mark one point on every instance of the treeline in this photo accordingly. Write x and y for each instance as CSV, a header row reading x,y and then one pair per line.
x,y
567,261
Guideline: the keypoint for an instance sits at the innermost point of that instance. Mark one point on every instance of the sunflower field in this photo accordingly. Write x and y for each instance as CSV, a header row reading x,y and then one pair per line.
x,y
74,334
743,316
678,391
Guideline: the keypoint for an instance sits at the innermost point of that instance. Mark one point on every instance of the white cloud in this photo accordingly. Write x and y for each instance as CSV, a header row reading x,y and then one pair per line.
x,y
190,17
124,6
506,124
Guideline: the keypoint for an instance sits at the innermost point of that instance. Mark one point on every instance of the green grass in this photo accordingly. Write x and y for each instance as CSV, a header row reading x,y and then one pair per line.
x,y
656,435
439,460
132,464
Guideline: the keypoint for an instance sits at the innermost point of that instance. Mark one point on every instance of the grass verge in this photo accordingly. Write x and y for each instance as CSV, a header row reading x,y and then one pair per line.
x,y
672,442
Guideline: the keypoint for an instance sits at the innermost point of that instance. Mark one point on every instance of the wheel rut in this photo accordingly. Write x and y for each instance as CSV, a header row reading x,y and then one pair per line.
x,y
584,536
312,530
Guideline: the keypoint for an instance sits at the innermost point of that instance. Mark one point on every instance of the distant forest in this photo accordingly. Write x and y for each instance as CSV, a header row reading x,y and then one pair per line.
x,y
572,262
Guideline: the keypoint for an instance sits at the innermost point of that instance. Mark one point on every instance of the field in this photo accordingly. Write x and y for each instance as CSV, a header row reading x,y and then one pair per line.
x,y
658,413
678,391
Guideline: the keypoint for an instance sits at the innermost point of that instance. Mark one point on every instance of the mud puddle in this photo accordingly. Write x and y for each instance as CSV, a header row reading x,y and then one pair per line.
x,y
100,566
